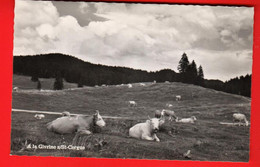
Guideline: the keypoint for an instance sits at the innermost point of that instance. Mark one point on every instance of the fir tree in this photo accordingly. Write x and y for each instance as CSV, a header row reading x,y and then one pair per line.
x,y
34,78
183,64
192,73
200,72
200,79
39,85
183,68
80,82
58,84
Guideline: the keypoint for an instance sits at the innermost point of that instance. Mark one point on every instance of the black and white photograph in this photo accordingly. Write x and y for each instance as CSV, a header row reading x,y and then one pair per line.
x,y
132,80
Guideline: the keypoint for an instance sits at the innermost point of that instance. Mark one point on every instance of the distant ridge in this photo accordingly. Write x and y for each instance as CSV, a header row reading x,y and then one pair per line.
x,y
74,70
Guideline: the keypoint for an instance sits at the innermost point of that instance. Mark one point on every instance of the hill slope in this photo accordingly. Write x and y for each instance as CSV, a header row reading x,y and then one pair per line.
x,y
75,70
207,139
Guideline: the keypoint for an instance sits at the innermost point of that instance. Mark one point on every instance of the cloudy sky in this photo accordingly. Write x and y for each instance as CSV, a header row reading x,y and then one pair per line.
x,y
141,36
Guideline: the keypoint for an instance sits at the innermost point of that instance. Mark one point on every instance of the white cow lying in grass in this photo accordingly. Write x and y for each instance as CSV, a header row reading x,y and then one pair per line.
x,y
192,119
132,104
146,130
142,84
240,118
178,97
80,124
130,85
39,116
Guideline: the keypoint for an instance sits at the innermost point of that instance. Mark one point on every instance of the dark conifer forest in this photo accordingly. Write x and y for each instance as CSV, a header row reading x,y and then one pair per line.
x,y
59,66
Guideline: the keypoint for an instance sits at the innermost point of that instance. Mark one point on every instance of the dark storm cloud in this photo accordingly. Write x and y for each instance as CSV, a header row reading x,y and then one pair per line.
x,y
83,13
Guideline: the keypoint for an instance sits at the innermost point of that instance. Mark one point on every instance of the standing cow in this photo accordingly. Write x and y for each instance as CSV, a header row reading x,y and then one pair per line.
x,y
169,105
169,113
130,85
165,113
132,104
240,118
178,98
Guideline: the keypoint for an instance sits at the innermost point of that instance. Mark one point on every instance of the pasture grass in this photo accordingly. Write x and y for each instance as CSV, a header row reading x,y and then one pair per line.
x,y
207,139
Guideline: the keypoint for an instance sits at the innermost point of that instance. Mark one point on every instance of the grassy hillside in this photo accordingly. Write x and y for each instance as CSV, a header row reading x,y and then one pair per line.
x,y
24,82
207,139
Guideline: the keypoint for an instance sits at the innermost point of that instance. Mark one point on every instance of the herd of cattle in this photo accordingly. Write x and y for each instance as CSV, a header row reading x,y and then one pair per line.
x,y
147,130
70,123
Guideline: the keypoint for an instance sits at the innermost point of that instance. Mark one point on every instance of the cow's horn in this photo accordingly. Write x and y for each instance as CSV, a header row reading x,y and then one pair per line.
x,y
97,112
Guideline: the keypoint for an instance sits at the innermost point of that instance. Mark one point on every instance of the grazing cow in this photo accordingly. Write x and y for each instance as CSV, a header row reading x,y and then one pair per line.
x,y
142,84
65,114
167,82
132,104
146,130
169,113
169,105
39,116
130,85
192,119
178,97
240,117
80,124
15,89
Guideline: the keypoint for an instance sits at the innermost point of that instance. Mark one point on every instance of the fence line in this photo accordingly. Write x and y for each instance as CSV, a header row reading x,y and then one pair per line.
x,y
60,113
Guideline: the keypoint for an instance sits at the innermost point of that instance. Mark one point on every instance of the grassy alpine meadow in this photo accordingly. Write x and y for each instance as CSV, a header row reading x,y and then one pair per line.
x,y
206,139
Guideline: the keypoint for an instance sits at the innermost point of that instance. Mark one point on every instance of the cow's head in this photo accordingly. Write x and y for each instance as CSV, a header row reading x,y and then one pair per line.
x,y
154,124
194,118
99,120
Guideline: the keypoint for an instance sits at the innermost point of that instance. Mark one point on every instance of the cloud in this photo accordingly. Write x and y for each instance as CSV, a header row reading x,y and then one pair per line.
x,y
28,16
222,64
83,8
82,11
143,36
31,13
